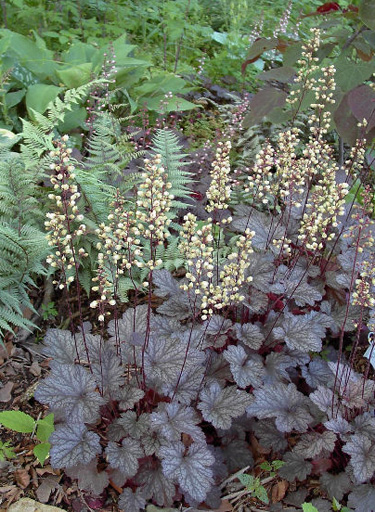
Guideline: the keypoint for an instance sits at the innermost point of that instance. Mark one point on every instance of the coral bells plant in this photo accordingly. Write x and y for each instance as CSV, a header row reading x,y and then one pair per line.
x,y
164,400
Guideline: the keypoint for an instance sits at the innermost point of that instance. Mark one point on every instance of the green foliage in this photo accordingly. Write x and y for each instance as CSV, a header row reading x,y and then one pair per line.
x,y
166,143
336,506
24,423
347,43
6,451
49,311
22,243
254,487
272,467
308,507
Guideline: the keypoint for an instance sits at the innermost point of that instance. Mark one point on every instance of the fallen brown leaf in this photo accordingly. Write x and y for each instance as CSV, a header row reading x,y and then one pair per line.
x,y
48,485
224,507
6,392
35,369
6,488
47,469
22,478
279,490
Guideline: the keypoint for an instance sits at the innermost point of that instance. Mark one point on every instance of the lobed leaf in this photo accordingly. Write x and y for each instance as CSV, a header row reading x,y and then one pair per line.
x,y
219,406
72,445
71,390
191,468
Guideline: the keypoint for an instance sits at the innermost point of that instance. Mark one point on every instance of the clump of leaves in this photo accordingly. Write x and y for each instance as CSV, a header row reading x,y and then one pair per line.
x,y
6,451
24,423
163,399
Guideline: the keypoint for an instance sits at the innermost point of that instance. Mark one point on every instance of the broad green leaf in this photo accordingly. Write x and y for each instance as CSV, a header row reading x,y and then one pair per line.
x,y
45,427
262,45
308,507
247,480
163,83
367,13
80,53
75,76
262,104
282,74
345,121
336,505
174,104
73,119
41,452
38,97
349,74
8,138
13,98
6,451
17,420
362,104
266,466
277,464
220,37
38,60
261,493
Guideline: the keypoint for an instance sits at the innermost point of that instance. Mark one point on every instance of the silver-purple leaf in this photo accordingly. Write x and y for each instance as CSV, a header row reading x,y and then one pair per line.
x,y
134,320
154,484
362,498
324,398
362,457
250,335
129,424
303,332
335,485
186,388
237,455
219,406
317,373
339,425
365,424
267,228
128,396
62,346
217,369
165,358
261,269
130,500
295,467
313,444
283,402
269,436
177,306
276,366
217,324
171,420
125,457
108,372
166,284
247,370
89,479
72,445
191,468
71,390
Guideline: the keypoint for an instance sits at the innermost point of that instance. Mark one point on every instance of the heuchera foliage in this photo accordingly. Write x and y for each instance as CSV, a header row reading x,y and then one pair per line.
x,y
166,398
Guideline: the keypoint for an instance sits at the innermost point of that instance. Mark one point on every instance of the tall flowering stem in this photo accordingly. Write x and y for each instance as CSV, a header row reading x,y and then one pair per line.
x,y
119,252
197,245
219,191
62,222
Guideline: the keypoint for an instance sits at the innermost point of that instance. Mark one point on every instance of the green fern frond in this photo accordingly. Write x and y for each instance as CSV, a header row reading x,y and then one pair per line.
x,y
166,143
